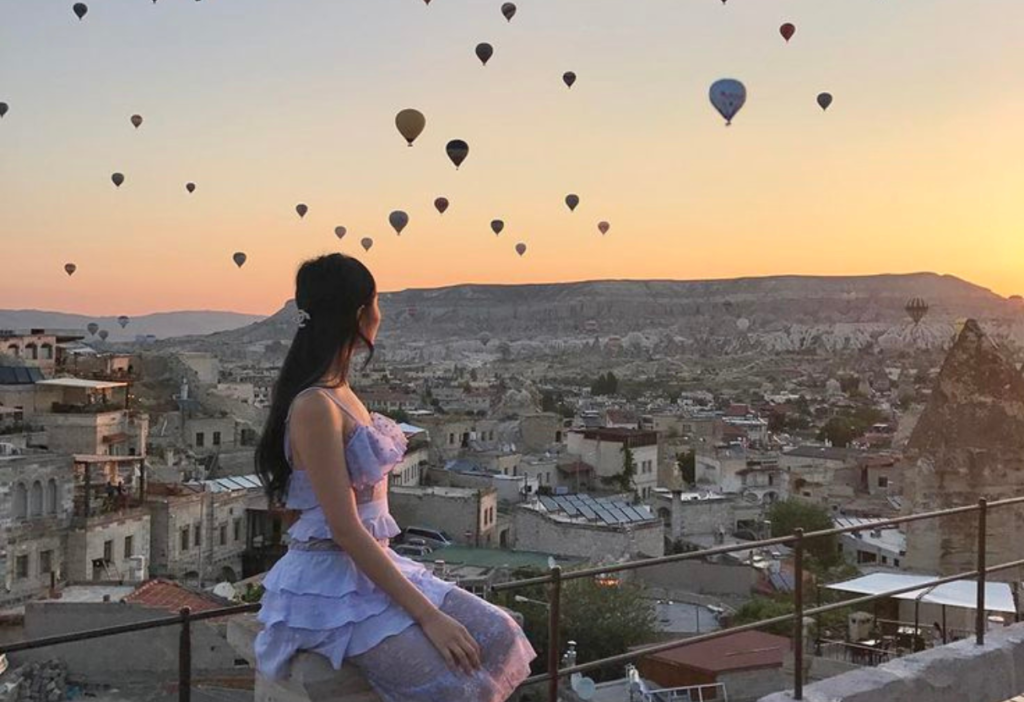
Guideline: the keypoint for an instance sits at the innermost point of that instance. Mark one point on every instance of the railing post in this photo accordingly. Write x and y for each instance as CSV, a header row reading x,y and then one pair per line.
x,y
554,613
980,620
798,615
185,656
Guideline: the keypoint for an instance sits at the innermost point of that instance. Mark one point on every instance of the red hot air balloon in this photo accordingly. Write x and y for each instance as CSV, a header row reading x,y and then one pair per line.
x,y
366,243
603,227
787,31
70,268
239,258
136,121
340,232
520,248
484,51
496,226
191,187
301,209
441,204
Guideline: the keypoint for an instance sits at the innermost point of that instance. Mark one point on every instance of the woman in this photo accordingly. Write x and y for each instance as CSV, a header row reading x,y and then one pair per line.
x,y
340,591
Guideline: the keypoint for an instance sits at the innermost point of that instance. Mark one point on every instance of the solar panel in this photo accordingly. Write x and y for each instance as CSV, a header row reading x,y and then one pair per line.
x,y
620,517
606,517
587,512
633,515
645,512
570,509
549,504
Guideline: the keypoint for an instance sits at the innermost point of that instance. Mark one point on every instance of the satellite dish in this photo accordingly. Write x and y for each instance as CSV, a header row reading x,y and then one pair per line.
x,y
584,688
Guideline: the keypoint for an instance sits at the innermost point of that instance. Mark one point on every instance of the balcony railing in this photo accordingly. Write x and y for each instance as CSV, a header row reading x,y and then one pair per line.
x,y
555,579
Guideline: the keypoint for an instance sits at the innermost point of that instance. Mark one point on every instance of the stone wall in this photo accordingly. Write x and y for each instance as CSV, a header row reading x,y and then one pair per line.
x,y
702,578
45,681
463,513
535,531
959,672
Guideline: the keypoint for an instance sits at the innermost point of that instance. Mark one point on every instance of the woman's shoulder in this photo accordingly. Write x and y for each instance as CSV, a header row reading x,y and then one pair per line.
x,y
314,404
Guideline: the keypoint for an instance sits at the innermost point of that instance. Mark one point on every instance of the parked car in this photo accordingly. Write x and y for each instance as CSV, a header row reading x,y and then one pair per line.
x,y
412,551
418,535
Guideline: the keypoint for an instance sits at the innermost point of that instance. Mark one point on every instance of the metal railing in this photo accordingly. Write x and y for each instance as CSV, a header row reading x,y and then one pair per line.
x,y
555,579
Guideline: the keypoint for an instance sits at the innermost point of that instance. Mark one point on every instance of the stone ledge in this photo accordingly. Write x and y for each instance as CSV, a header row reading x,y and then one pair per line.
x,y
311,676
953,673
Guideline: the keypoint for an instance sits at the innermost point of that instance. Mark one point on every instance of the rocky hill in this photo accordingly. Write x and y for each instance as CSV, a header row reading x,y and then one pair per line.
x,y
782,313
161,324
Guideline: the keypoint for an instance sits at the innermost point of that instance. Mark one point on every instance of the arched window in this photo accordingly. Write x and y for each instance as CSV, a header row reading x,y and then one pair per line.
x,y
35,500
14,350
20,501
31,352
51,496
47,352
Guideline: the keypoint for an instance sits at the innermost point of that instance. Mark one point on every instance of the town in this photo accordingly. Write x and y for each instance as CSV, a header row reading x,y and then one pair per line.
x,y
127,492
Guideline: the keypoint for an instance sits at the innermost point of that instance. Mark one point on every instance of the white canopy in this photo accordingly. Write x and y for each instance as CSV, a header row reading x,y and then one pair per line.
x,y
959,593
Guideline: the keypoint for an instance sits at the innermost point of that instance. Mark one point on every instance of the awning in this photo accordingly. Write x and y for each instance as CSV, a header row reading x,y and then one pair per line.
x,y
959,593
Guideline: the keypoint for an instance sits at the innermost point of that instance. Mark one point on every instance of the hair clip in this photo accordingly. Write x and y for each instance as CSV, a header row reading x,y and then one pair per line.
x,y
303,317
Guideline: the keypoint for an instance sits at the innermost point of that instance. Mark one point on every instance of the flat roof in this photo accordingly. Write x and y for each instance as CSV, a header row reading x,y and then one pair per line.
x,y
959,593
81,383
492,557
745,650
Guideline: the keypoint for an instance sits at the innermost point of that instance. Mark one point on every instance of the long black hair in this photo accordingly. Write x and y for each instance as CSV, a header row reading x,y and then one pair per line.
x,y
331,290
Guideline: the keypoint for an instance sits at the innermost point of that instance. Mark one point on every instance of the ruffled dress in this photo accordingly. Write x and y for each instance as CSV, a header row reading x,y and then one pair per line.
x,y
316,598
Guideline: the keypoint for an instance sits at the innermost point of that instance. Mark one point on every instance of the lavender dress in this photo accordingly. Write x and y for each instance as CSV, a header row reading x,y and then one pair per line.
x,y
318,600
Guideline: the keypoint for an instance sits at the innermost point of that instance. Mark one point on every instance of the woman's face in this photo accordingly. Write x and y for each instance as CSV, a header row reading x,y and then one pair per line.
x,y
369,320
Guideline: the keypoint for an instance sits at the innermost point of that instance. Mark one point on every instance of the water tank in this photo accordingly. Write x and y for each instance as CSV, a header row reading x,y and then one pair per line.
x,y
137,569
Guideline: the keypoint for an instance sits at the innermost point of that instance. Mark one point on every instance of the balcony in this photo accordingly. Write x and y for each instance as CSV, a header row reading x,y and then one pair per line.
x,y
985,667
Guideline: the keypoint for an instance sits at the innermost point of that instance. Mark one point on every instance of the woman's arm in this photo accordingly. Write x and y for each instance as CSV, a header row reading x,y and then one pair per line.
x,y
317,427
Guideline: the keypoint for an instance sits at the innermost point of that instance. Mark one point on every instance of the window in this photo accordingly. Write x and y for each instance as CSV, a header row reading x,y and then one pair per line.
x,y
47,350
883,481
451,439
20,501
237,529
21,567
223,534
108,550
184,538
216,438
35,500
129,546
45,562
771,479
490,435
197,534
866,557
200,439
51,496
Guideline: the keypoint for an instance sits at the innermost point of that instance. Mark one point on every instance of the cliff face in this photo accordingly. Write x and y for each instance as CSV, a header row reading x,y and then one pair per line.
x,y
968,444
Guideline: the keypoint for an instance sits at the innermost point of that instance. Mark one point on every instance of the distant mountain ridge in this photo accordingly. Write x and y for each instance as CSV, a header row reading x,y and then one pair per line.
x,y
160,324
773,313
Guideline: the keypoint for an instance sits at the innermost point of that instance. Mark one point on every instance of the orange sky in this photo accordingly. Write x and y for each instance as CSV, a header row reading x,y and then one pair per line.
x,y
916,166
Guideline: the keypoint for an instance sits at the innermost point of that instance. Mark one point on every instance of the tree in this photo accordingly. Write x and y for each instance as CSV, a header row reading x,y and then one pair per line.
x,y
687,462
603,620
792,514
761,608
624,479
606,384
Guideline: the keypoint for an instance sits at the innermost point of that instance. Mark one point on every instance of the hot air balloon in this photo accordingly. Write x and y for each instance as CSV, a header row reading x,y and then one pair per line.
x,y
191,187
398,220
239,258
301,209
80,9
787,31
824,100
457,150
136,121
568,78
728,96
118,179
410,124
916,308
340,232
603,227
497,225
571,201
441,204
92,327
485,338
367,243
484,52
508,9
520,249
743,324
104,334
3,109
70,268
123,321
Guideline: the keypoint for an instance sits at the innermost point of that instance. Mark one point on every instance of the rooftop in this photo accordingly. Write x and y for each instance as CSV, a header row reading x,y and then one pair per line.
x,y
493,558
81,383
171,597
584,509
20,375
746,650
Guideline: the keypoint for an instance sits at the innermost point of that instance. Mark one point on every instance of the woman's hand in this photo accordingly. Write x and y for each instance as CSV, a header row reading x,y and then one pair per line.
x,y
454,642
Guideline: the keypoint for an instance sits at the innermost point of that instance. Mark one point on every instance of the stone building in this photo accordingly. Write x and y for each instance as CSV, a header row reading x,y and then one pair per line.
x,y
36,507
968,444
36,348
604,449
468,515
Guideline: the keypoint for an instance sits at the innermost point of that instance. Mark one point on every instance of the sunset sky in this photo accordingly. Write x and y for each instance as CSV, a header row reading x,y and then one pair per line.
x,y
917,165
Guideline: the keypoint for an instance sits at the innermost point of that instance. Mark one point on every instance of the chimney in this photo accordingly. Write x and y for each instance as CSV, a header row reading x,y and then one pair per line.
x,y
677,514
